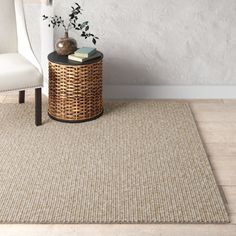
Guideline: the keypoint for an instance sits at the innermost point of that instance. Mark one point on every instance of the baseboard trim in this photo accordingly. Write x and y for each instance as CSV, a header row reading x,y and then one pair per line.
x,y
166,92
170,92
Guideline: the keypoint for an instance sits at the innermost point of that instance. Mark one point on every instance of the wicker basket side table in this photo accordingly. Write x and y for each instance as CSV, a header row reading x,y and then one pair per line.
x,y
75,89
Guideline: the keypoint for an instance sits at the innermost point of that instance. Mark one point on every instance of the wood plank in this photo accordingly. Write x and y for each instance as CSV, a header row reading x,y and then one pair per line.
x,y
29,98
2,98
228,101
12,93
221,150
11,99
214,112
213,107
209,101
230,195
215,132
118,230
30,92
192,101
215,116
224,170
232,219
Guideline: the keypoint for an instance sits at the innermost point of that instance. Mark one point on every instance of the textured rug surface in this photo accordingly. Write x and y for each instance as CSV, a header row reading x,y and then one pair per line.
x,y
142,162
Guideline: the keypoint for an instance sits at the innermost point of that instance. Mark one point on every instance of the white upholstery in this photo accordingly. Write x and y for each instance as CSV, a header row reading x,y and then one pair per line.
x,y
17,73
8,36
24,47
19,68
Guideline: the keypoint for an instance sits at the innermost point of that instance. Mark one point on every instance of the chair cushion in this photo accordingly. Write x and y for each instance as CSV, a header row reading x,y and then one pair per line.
x,y
17,73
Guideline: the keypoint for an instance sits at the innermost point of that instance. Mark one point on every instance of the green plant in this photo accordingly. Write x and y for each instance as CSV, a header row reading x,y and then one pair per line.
x,y
72,23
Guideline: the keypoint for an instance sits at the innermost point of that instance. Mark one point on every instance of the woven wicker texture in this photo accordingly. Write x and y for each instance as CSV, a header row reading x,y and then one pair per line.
x,y
142,162
75,92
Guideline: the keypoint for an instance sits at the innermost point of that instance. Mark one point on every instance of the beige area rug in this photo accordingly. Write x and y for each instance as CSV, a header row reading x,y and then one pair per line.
x,y
142,162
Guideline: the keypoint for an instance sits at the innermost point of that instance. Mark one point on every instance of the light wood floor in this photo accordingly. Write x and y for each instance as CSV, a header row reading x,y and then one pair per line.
x,y
216,120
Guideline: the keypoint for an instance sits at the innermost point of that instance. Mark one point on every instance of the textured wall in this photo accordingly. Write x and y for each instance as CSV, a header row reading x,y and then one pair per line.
x,y
163,42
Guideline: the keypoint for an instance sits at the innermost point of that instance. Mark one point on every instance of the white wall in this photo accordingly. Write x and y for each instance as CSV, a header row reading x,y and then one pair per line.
x,y
163,42
160,42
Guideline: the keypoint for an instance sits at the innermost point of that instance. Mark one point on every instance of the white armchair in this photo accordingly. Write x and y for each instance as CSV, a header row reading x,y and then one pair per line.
x,y
19,69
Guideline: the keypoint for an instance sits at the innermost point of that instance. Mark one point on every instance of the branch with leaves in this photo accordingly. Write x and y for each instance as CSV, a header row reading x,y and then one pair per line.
x,y
73,23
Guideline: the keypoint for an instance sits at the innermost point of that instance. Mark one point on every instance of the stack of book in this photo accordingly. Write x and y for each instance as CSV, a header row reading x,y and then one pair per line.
x,y
84,54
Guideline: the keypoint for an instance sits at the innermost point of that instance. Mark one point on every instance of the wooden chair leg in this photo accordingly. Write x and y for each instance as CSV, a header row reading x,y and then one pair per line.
x,y
38,106
22,96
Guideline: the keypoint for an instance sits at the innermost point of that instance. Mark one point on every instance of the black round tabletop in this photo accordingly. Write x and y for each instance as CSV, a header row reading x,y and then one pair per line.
x,y
63,60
